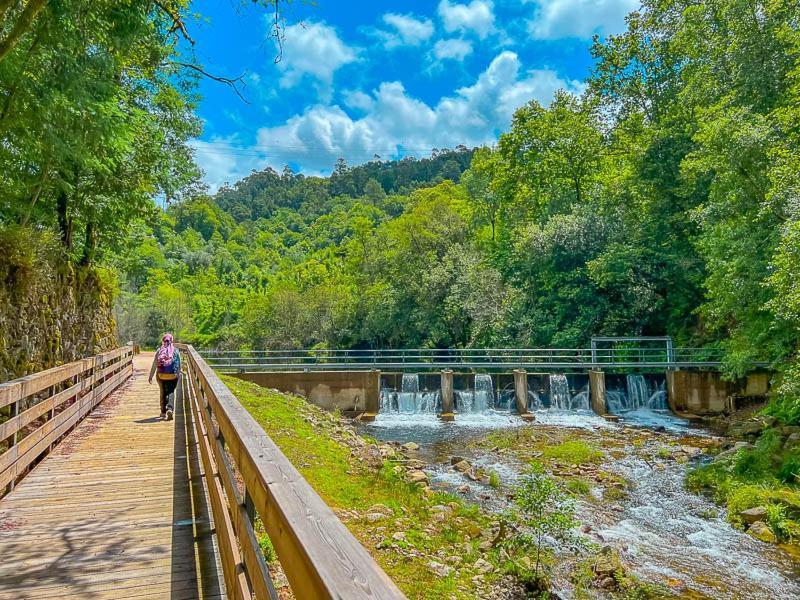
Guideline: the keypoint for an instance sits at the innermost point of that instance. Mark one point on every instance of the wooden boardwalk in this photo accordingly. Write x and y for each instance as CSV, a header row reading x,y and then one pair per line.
x,y
118,510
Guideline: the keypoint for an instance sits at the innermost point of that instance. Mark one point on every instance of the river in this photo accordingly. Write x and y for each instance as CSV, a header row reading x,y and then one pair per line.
x,y
663,533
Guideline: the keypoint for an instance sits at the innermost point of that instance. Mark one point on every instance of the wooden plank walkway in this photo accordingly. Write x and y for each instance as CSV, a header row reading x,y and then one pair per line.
x,y
117,510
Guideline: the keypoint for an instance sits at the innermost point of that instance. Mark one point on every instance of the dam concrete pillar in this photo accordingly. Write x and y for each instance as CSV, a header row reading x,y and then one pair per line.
x,y
597,391
447,396
521,394
372,396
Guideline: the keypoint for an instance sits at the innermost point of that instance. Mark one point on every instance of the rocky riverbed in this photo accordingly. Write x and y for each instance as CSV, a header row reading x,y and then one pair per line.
x,y
628,482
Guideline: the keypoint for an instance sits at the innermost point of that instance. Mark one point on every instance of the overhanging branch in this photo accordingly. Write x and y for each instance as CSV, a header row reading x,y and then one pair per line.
x,y
233,82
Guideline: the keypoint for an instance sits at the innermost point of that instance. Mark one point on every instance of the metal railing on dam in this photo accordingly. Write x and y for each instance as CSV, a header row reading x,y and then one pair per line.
x,y
491,359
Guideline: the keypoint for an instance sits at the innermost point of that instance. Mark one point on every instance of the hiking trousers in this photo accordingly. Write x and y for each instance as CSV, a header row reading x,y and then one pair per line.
x,y
167,387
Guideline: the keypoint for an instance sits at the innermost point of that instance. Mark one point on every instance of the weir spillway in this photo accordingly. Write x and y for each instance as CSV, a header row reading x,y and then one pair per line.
x,y
614,376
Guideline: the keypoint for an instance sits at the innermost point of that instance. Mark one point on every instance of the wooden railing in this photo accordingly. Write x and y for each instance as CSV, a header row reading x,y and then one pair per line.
x,y
43,407
320,557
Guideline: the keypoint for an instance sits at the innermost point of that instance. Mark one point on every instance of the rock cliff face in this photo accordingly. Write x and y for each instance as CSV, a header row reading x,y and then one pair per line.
x,y
50,311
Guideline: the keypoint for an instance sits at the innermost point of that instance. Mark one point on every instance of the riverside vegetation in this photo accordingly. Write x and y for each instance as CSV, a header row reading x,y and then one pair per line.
x,y
432,542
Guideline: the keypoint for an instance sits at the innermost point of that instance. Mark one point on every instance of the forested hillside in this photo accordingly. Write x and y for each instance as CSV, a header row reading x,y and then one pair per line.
x,y
662,200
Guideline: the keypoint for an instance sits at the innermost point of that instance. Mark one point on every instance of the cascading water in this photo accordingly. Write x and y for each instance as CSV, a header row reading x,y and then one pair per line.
x,y
562,399
477,400
658,401
638,394
409,399
559,392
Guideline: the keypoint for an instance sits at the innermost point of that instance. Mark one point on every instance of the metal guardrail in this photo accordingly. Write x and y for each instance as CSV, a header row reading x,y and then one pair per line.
x,y
247,474
468,358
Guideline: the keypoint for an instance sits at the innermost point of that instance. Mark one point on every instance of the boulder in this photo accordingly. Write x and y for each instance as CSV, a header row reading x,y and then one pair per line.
x,y
731,452
417,477
374,517
380,508
751,515
387,451
463,489
750,428
410,446
440,569
483,566
761,531
691,451
462,466
399,536
454,460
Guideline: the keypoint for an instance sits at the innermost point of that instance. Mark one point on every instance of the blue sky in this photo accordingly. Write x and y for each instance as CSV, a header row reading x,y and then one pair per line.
x,y
358,79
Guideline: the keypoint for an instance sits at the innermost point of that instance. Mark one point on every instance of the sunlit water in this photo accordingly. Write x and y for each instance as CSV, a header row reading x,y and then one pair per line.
x,y
668,536
662,531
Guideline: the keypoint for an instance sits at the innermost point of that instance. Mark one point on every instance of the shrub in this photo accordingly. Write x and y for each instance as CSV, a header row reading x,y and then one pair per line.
x,y
789,471
545,513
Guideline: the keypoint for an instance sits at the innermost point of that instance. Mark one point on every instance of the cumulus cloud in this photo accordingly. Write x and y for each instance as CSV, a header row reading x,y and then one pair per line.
x,y
406,30
224,160
556,19
395,123
455,49
313,50
477,16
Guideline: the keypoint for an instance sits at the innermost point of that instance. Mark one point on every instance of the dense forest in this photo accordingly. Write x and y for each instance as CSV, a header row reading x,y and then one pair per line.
x,y
662,200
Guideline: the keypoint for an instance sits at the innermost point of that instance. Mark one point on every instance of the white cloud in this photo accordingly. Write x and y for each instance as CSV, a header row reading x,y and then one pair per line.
x,y
473,115
556,19
314,50
407,30
477,16
358,99
224,160
455,49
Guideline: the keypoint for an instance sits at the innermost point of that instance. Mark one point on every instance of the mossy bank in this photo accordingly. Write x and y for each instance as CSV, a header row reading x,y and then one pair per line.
x,y
51,311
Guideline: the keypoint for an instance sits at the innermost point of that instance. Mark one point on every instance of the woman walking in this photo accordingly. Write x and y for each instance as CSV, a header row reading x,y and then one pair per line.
x,y
167,368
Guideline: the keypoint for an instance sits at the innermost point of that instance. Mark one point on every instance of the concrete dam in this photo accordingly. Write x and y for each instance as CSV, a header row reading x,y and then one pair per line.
x,y
647,375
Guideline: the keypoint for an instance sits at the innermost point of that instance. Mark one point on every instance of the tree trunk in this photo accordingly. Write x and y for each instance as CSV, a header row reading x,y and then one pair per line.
x,y
90,243
23,24
64,222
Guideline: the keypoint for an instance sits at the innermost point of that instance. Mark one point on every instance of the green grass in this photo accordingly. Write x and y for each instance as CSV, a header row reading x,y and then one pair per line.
x,y
345,482
760,476
573,452
578,486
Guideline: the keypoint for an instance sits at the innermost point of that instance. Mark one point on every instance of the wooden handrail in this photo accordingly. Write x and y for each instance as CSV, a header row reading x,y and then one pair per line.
x,y
319,555
47,405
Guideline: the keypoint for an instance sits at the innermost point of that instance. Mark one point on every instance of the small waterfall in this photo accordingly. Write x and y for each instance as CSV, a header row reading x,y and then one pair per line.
x,y
478,400
409,399
534,401
580,401
484,393
388,400
562,399
638,394
616,401
658,401
559,392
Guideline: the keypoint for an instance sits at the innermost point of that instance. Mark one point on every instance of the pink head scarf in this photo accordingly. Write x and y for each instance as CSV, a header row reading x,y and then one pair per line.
x,y
166,345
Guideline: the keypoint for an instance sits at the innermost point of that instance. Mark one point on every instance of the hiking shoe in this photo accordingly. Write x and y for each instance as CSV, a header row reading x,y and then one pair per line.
x,y
169,414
